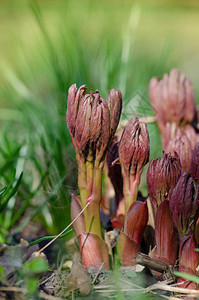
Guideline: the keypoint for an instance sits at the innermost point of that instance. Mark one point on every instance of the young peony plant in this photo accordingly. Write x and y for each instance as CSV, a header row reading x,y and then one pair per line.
x,y
162,175
173,102
92,122
133,156
184,205
172,99
166,238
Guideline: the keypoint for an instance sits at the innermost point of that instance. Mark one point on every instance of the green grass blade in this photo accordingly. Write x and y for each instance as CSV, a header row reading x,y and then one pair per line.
x,y
187,276
50,237
40,207
25,205
13,192
2,192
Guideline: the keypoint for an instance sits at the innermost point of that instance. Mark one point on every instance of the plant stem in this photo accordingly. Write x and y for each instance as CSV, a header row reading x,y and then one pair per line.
x,y
130,190
89,171
126,192
93,221
82,184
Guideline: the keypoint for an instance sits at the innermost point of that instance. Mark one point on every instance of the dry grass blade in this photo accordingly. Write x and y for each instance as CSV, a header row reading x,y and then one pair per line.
x,y
14,289
166,297
130,283
179,283
97,273
42,249
164,286
48,297
102,287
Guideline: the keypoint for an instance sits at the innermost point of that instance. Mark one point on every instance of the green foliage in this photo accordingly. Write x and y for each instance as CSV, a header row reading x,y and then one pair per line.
x,y
37,265
28,275
7,200
45,238
14,184
24,273
2,273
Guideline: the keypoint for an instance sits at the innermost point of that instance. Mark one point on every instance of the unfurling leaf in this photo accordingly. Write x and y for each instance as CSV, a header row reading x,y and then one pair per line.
x,y
127,249
94,251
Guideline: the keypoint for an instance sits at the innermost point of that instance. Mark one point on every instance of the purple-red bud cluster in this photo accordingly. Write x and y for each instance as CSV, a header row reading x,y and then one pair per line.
x,y
91,120
134,148
184,205
172,99
162,175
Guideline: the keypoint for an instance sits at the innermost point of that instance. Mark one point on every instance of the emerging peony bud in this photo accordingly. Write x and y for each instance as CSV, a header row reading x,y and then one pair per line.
x,y
74,97
91,120
188,260
158,100
134,147
133,155
93,124
162,175
136,221
182,146
128,244
166,239
172,99
184,205
172,131
115,107
194,167
190,132
127,249
94,251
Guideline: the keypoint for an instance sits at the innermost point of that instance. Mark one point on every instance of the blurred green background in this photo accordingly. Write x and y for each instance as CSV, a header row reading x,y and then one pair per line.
x,y
48,45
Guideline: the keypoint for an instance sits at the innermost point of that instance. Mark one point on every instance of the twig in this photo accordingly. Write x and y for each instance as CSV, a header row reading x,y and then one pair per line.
x,y
152,263
42,249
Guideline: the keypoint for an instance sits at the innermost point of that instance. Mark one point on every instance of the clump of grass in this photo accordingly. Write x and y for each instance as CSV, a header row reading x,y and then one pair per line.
x,y
35,80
